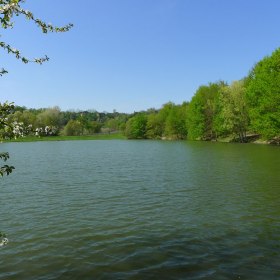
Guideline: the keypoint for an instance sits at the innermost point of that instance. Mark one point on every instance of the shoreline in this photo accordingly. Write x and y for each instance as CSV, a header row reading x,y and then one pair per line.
x,y
67,138
120,136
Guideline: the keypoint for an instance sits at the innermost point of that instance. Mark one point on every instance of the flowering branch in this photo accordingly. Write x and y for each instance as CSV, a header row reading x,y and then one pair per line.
x,y
10,8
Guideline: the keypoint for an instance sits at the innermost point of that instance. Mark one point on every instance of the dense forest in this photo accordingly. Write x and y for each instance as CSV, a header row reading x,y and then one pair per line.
x,y
242,111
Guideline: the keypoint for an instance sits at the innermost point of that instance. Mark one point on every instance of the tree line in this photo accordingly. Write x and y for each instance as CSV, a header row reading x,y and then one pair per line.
x,y
243,110
52,122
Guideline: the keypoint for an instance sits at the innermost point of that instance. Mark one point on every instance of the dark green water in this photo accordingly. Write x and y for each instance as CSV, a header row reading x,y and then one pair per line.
x,y
141,210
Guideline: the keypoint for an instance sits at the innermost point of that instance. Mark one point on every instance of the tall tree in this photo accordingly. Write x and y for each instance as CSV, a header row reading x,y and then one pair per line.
x,y
263,95
175,125
202,111
234,109
49,117
73,128
155,126
157,121
136,127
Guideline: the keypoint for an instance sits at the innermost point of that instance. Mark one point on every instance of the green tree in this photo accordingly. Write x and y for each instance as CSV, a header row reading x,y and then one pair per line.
x,y
73,128
27,118
112,125
218,126
158,127
202,110
234,109
263,96
175,125
49,117
155,126
93,127
136,127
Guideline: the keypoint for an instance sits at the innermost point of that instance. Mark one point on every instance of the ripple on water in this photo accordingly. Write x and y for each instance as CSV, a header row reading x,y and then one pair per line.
x,y
141,210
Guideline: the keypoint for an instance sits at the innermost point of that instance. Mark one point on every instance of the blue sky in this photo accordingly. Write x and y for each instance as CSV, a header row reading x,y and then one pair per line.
x,y
131,55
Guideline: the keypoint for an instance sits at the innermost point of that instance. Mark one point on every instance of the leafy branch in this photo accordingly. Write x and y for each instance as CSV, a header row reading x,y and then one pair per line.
x,y
5,110
5,169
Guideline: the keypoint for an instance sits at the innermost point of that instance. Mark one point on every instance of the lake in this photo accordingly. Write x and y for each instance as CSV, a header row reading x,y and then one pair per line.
x,y
141,210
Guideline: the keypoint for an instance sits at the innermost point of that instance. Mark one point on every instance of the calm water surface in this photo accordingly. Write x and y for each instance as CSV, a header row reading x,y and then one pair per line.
x,y
141,210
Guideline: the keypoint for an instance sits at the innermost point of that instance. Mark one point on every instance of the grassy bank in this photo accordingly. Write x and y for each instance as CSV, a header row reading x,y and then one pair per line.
x,y
114,136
